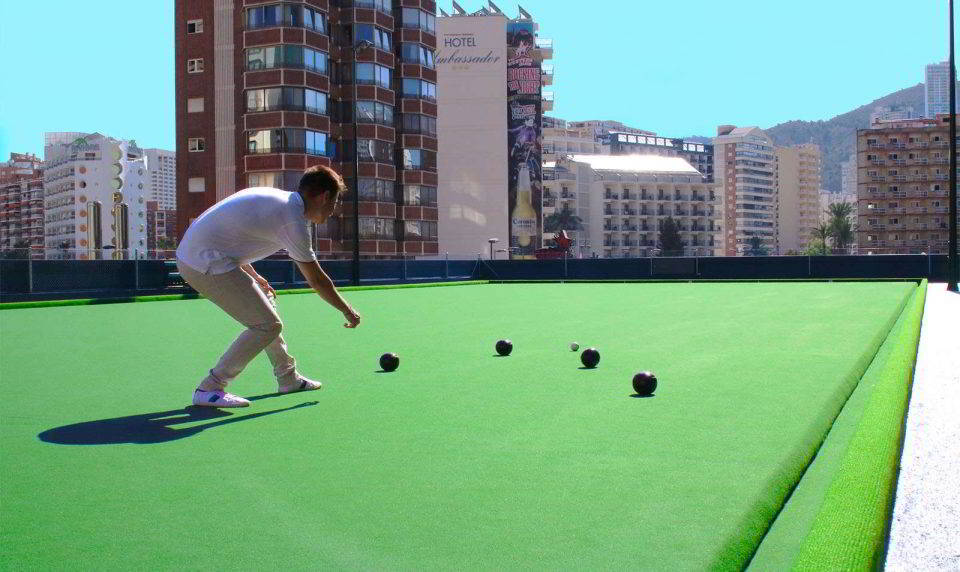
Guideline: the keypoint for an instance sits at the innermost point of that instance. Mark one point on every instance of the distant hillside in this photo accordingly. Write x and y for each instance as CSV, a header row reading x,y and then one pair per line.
x,y
837,137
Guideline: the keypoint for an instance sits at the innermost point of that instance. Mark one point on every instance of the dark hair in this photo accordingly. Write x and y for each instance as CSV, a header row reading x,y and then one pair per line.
x,y
320,179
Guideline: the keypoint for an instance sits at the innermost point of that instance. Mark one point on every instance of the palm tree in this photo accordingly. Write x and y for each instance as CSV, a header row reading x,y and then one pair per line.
x,y
564,219
820,234
840,226
756,247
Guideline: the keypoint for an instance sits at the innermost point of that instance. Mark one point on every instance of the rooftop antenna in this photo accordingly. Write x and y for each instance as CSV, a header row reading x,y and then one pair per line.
x,y
458,9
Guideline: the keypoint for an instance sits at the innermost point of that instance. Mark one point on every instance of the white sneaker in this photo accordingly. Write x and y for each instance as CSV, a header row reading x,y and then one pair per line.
x,y
218,398
299,383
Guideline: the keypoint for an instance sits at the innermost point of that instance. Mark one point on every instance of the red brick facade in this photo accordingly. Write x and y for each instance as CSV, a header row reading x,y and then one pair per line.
x,y
285,165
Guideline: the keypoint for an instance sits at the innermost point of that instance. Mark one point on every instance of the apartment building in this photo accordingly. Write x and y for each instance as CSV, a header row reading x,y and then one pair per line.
x,y
21,204
745,171
903,173
798,191
267,88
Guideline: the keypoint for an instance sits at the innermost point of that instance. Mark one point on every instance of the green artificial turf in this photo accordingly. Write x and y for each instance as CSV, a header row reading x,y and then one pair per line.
x,y
457,460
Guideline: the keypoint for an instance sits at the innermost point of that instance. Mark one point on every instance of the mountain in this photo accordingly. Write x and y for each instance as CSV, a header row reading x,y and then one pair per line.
x,y
837,137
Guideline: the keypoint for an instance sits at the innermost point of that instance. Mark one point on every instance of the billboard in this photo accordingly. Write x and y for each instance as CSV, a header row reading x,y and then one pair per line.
x,y
524,175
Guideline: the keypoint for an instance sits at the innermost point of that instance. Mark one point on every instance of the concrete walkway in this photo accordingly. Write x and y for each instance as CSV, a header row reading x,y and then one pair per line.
x,y
925,532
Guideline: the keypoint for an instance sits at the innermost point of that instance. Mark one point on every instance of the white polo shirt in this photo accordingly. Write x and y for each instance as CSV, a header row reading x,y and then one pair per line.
x,y
249,225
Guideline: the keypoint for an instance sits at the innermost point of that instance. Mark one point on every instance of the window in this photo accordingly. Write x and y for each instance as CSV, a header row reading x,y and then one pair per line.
x,y
289,98
195,144
316,102
385,6
376,190
195,66
419,196
195,185
416,54
379,37
419,159
419,230
414,18
287,140
287,56
418,88
292,15
371,112
194,26
314,20
382,228
374,150
417,123
367,73
195,105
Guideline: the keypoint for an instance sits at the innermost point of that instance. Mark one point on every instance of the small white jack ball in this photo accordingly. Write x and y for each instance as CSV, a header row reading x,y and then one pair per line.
x,y
574,346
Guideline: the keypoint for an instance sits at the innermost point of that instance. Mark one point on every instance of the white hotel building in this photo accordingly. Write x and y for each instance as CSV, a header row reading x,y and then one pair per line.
x,y
95,192
623,199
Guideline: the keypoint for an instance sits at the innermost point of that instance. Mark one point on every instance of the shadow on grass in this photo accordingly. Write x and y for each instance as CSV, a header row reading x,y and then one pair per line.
x,y
148,428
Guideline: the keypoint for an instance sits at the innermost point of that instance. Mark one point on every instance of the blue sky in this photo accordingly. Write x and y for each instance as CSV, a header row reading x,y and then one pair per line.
x,y
677,68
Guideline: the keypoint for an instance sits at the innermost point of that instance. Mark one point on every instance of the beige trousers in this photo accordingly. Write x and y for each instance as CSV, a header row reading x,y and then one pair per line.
x,y
239,296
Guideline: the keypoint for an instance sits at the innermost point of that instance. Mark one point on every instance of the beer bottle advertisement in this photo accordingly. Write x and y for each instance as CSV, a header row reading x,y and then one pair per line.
x,y
525,179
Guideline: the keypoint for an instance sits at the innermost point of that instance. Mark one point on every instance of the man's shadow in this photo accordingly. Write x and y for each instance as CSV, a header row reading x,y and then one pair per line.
x,y
148,428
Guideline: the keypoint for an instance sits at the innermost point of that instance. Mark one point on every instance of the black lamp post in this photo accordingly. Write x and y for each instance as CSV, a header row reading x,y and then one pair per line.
x,y
355,267
953,269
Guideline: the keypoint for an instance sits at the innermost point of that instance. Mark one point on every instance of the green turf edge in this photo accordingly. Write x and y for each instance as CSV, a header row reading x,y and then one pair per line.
x,y
703,280
740,548
851,528
786,536
194,295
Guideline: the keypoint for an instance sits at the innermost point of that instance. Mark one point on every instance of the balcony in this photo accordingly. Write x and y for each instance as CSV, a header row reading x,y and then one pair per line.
x,y
611,197
547,100
546,74
545,47
609,227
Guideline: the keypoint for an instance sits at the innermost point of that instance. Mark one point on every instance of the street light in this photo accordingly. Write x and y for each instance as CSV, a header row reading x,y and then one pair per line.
x,y
492,241
953,266
355,267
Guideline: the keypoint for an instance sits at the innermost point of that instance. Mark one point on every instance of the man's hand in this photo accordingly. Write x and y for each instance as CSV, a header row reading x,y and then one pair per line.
x,y
353,318
265,286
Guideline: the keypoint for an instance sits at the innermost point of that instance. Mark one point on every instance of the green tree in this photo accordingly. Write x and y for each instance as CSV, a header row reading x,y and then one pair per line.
x,y
670,242
20,251
757,247
820,235
564,219
840,226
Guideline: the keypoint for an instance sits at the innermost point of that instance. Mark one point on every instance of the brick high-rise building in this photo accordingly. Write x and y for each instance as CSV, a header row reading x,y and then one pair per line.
x,y
266,89
21,204
903,187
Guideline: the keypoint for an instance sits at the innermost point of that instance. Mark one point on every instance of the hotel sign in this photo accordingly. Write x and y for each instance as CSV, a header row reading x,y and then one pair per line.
x,y
462,50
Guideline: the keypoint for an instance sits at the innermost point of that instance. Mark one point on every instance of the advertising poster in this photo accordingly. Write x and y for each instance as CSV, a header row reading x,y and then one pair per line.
x,y
525,181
